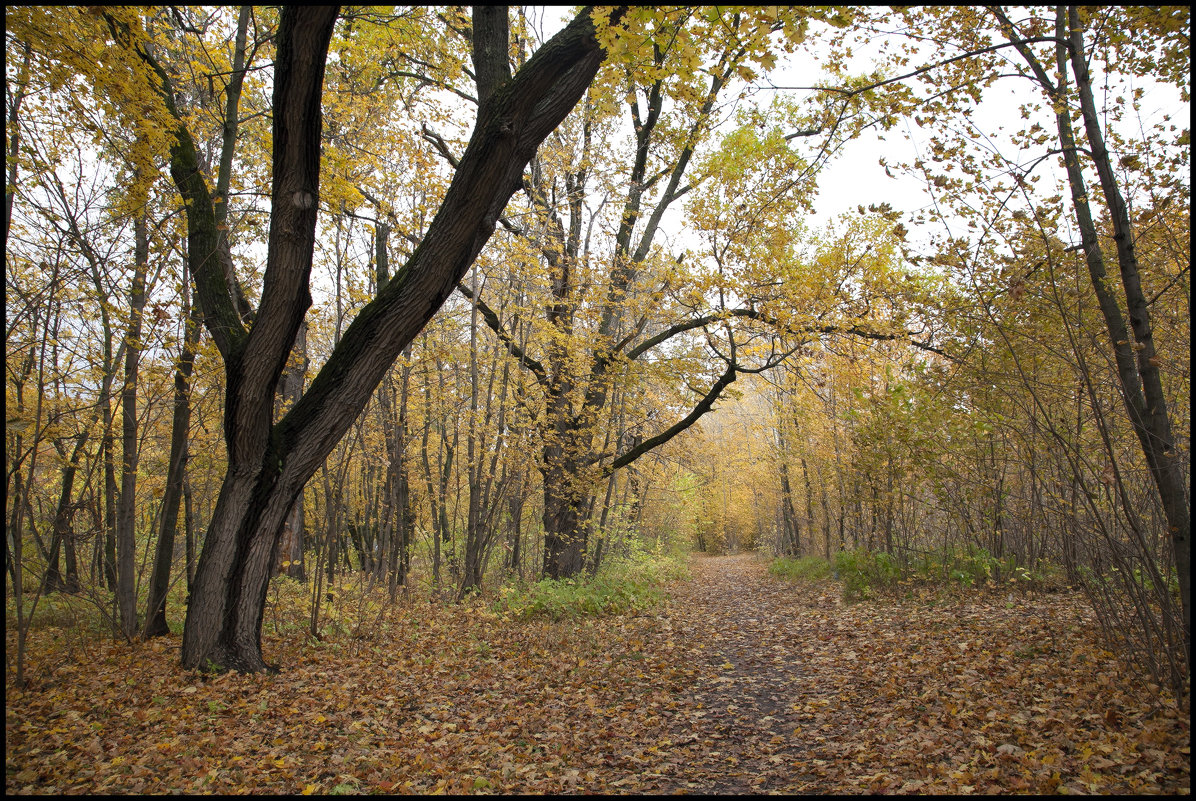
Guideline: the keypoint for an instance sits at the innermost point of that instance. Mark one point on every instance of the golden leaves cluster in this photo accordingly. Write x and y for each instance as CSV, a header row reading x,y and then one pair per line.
x,y
95,50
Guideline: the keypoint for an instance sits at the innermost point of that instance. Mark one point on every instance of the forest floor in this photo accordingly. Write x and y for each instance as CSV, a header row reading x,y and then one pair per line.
x,y
741,683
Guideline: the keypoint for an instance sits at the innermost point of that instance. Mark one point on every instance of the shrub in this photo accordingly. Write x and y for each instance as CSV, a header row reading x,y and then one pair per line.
x,y
863,571
618,588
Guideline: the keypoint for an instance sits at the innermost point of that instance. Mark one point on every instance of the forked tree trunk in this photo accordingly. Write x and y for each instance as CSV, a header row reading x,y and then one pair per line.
x,y
269,464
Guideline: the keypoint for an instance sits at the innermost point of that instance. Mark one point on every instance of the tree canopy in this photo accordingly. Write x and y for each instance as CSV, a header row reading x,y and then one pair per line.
x,y
449,297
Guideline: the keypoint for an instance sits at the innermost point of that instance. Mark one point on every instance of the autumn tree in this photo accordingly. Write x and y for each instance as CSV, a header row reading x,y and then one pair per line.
x,y
268,464
118,243
1002,227
1064,55
673,71
1138,364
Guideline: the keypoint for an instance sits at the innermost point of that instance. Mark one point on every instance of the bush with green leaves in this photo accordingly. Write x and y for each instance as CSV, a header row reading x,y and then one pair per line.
x,y
618,588
864,571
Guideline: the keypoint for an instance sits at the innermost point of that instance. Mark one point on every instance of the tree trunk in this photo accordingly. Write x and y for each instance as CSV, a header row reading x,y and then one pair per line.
x,y
108,447
189,531
515,535
596,559
290,548
564,537
268,465
805,472
155,618
790,531
472,574
52,580
403,513
126,543
398,513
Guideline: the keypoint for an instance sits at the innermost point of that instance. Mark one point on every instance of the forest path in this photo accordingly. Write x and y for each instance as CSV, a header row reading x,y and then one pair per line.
x,y
739,683
791,691
746,635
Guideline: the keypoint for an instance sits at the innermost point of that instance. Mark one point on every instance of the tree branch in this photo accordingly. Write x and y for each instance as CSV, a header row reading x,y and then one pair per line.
x,y
755,314
491,45
510,126
213,293
920,70
704,405
536,368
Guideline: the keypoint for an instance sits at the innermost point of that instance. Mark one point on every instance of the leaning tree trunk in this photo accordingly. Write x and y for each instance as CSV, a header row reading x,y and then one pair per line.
x,y
269,464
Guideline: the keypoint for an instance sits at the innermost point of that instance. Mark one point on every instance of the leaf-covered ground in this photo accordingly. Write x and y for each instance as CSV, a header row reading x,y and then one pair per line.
x,y
742,683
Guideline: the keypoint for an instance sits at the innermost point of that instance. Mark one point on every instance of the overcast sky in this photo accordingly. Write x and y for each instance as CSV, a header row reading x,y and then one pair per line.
x,y
855,176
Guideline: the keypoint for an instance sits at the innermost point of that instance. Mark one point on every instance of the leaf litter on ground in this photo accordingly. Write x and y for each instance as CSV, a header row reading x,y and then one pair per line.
x,y
740,682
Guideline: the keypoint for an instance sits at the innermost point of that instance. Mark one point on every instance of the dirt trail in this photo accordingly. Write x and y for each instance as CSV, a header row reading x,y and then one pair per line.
x,y
741,683
744,633
787,690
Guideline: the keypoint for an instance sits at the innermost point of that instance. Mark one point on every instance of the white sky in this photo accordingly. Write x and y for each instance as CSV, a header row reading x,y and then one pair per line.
x,y
855,177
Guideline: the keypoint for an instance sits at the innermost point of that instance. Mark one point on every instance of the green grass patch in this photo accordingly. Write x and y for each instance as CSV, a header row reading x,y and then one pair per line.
x,y
807,568
864,573
618,588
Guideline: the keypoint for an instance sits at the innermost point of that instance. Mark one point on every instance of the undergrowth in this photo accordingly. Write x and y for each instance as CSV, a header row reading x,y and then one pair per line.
x,y
805,568
618,588
864,573
357,608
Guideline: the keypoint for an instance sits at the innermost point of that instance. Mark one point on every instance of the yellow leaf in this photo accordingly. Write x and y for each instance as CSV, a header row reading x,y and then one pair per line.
x,y
309,789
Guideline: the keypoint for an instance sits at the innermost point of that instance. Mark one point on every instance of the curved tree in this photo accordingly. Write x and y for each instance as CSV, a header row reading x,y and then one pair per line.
x,y
269,463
